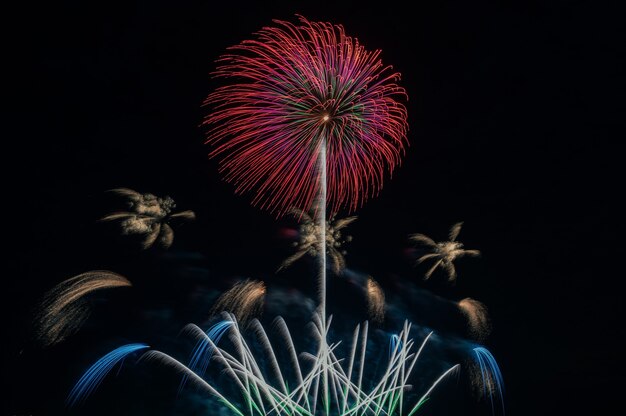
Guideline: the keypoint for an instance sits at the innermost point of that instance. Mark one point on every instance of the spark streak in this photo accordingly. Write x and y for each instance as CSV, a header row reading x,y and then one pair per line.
x,y
63,311
92,378
375,301
244,300
477,317
491,377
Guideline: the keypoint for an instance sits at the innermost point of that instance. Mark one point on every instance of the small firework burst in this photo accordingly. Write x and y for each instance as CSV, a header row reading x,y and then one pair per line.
x,y
310,240
444,253
148,216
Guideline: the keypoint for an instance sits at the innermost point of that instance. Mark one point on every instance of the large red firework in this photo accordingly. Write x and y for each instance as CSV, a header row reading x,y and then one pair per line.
x,y
298,89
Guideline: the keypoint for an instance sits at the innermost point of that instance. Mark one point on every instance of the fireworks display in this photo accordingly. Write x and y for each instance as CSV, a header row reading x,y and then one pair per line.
x,y
290,90
191,183
310,123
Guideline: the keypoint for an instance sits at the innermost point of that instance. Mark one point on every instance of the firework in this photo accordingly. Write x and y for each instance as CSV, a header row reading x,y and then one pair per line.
x,y
311,238
244,300
477,317
148,217
487,378
203,351
444,253
92,378
375,301
325,385
295,89
63,310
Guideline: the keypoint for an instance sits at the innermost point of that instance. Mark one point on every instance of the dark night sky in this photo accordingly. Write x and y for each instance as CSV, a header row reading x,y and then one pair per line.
x,y
514,113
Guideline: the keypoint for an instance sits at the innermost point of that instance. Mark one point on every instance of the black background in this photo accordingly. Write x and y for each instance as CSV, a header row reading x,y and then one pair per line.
x,y
515,115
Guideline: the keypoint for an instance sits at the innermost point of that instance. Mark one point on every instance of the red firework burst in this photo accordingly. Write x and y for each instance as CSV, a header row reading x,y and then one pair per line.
x,y
296,87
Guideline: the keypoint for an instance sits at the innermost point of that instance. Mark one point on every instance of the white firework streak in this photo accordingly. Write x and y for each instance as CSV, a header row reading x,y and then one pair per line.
x,y
338,383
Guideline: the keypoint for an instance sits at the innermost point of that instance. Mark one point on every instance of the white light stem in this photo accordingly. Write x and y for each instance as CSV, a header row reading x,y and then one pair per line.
x,y
321,221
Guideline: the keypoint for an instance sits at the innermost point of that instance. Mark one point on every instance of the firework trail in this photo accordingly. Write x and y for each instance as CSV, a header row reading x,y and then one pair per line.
x,y
489,379
375,301
444,253
294,88
310,238
165,359
244,300
477,317
148,217
328,385
63,310
322,200
394,344
203,352
92,378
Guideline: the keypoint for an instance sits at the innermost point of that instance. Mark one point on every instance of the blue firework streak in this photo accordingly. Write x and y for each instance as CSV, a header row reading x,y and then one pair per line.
x,y
92,378
203,351
491,376
394,342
